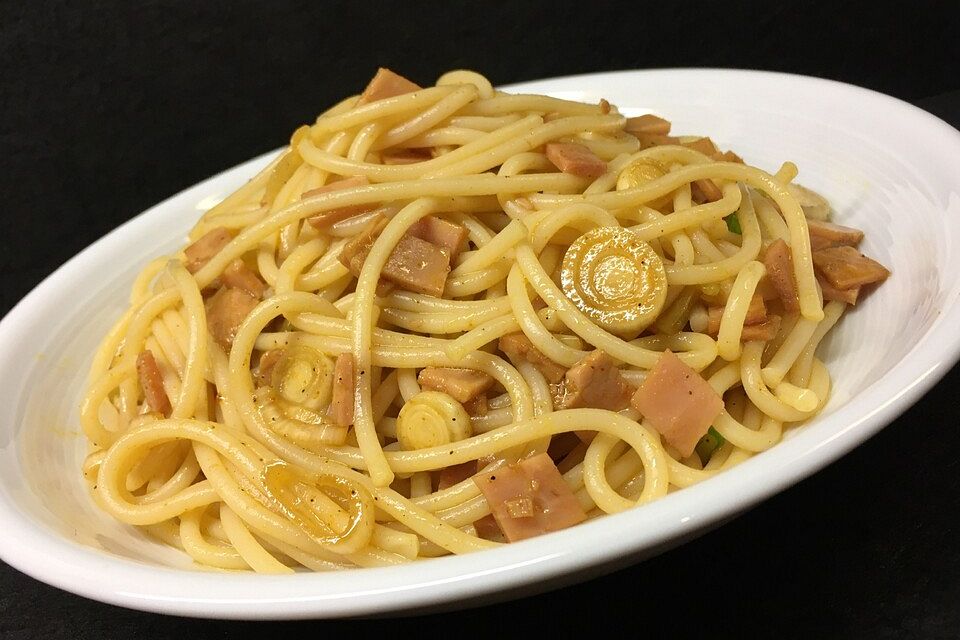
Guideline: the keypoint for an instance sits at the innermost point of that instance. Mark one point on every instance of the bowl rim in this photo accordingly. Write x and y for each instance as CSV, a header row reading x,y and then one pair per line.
x,y
43,554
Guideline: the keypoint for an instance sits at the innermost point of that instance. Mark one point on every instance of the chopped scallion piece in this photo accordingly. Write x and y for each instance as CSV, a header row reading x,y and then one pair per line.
x,y
733,224
709,444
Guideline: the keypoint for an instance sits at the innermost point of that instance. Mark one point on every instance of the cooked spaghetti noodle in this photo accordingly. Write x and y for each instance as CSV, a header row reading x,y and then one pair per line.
x,y
440,305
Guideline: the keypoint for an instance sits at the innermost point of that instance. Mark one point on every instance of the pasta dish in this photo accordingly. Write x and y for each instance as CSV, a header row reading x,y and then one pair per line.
x,y
448,318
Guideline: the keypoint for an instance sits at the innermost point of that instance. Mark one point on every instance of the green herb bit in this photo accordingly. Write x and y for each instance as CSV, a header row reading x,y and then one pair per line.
x,y
709,444
733,224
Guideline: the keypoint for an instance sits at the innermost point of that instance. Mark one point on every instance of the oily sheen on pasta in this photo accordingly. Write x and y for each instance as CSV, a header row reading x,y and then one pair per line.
x,y
449,318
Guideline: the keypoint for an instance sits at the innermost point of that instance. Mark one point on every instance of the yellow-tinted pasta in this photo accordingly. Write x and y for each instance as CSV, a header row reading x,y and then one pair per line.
x,y
254,466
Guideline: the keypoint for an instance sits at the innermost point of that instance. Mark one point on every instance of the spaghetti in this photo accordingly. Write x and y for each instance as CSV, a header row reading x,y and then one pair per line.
x,y
448,317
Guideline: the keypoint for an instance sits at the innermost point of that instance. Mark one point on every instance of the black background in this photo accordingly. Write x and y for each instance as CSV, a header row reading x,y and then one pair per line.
x,y
109,107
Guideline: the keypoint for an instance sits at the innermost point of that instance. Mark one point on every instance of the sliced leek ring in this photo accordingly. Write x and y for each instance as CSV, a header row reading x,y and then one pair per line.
x,y
303,376
431,419
640,172
334,511
305,427
614,278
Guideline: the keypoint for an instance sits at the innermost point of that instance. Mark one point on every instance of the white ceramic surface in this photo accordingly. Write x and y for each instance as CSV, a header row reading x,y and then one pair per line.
x,y
888,168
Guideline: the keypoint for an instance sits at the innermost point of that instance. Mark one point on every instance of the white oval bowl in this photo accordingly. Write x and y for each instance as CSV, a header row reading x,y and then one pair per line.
x,y
887,167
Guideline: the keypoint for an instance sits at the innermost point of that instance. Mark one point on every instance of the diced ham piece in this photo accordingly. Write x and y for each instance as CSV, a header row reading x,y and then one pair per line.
x,y
355,252
207,246
826,234
704,146
384,288
226,310
417,265
561,445
595,381
647,124
705,190
575,159
456,474
648,140
478,406
152,383
576,455
325,219
268,360
677,402
756,311
386,84
585,436
344,383
729,156
530,498
819,242
414,264
840,295
518,347
463,385
488,529
846,268
766,290
239,276
443,233
756,314
779,265
764,331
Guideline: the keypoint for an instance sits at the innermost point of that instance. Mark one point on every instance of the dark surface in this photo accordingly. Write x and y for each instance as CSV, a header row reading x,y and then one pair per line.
x,y
106,109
